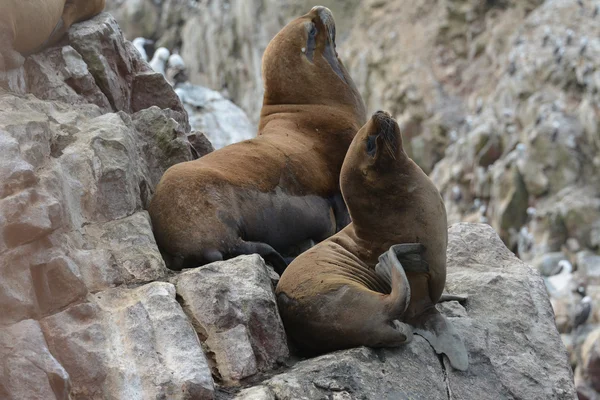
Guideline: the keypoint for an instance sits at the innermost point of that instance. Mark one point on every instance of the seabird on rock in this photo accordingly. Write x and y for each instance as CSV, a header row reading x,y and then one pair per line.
x,y
159,60
570,34
138,43
175,61
561,281
583,42
582,312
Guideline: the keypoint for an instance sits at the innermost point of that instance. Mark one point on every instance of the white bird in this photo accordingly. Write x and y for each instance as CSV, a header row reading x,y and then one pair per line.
x,y
139,43
561,281
175,61
159,60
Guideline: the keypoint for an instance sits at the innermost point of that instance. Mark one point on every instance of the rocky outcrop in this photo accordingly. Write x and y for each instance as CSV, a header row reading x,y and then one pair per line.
x,y
507,325
83,146
233,307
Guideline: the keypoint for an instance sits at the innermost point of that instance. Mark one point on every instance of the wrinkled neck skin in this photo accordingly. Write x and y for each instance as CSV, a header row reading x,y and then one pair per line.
x,y
312,118
375,216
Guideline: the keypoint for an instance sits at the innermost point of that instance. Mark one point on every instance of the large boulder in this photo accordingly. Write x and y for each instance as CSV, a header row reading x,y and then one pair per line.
x,y
233,307
507,325
134,341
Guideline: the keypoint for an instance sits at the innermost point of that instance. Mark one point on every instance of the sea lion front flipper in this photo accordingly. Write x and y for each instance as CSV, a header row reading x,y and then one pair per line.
x,y
269,254
409,255
390,270
442,336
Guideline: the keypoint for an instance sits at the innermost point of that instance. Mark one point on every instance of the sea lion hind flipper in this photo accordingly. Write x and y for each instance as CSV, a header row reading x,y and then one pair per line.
x,y
269,254
391,270
409,254
442,336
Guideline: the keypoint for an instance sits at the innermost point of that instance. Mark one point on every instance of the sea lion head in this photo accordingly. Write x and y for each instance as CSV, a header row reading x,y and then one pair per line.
x,y
301,66
372,176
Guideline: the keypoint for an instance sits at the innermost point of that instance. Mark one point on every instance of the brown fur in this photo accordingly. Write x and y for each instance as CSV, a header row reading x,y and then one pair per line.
x,y
278,189
331,297
28,25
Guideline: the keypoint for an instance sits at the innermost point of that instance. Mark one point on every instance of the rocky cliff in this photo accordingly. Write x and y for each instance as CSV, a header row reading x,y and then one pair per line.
x,y
89,310
497,100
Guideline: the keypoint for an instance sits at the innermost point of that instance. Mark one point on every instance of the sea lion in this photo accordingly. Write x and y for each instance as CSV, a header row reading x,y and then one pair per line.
x,y
28,26
278,190
379,278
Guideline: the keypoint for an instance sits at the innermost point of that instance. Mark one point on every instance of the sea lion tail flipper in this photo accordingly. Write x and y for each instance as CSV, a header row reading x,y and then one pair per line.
x,y
269,254
442,336
461,298
390,269
409,254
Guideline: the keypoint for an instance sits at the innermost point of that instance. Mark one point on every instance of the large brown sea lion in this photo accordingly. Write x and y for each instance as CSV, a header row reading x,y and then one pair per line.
x,y
381,276
280,189
27,26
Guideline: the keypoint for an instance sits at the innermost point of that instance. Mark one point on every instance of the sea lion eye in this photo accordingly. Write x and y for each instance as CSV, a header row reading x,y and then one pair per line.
x,y
313,31
371,145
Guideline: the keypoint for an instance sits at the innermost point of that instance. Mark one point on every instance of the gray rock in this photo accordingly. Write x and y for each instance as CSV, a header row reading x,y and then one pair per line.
x,y
412,371
200,143
48,73
100,43
133,341
162,142
28,369
117,252
232,306
219,119
151,89
588,265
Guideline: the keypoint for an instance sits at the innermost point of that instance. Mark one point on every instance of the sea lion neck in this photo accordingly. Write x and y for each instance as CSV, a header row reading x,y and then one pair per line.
x,y
309,117
365,245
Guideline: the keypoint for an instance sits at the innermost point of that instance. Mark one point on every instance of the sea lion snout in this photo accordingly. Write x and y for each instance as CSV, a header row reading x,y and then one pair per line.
x,y
326,16
387,128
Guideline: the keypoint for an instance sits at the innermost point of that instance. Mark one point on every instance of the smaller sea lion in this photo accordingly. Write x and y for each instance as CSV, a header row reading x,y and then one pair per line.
x,y
27,26
377,281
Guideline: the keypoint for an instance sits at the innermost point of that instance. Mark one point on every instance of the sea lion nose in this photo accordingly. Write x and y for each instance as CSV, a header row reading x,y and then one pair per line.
x,y
381,114
322,12
326,17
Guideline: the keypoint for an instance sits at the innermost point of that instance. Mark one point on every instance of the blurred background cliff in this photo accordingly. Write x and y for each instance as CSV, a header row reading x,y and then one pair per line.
x,y
498,102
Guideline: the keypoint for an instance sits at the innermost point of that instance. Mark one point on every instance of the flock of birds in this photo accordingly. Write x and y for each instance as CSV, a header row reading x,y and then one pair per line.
x,y
170,65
